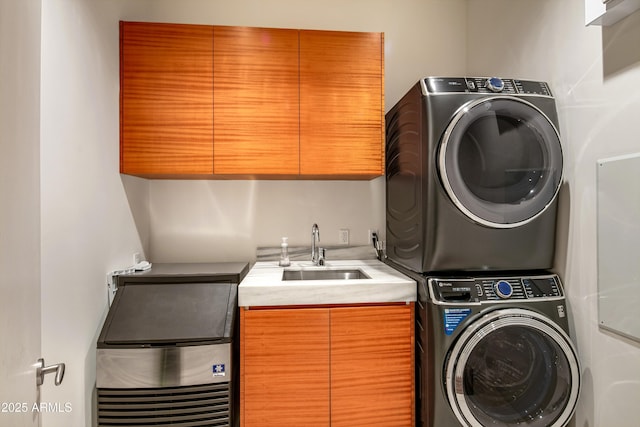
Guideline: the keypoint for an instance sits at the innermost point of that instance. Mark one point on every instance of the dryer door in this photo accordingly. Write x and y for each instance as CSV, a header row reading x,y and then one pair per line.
x,y
513,367
500,161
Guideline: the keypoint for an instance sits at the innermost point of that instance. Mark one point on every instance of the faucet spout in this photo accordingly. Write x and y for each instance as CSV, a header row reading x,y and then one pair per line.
x,y
315,238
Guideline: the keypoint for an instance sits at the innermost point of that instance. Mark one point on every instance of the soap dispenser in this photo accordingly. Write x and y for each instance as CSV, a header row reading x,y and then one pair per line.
x,y
284,253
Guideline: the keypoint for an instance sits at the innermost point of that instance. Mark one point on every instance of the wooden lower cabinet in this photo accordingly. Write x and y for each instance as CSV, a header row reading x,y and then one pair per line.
x,y
372,366
284,367
339,366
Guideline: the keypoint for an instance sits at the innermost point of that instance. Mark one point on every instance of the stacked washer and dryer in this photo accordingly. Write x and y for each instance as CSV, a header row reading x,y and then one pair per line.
x,y
474,166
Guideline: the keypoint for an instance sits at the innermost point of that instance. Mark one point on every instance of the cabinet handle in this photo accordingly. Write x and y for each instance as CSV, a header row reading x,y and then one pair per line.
x,y
42,370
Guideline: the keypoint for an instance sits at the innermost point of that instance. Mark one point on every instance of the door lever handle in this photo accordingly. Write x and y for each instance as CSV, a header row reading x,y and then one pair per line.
x,y
42,370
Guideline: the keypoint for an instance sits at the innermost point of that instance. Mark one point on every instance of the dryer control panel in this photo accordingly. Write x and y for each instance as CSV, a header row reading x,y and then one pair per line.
x,y
492,85
480,289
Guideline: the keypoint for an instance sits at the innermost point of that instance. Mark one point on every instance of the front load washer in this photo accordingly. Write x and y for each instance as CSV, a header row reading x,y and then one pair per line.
x,y
473,160
494,351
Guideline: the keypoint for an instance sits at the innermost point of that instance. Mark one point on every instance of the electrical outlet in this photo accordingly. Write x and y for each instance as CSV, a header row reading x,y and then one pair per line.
x,y
343,236
136,258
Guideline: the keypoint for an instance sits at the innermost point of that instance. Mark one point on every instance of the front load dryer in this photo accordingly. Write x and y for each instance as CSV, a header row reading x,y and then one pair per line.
x,y
474,166
494,351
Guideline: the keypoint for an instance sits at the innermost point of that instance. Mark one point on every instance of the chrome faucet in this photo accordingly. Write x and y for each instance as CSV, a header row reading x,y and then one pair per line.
x,y
315,252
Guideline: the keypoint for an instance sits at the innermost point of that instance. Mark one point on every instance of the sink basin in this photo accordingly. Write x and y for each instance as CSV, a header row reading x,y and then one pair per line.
x,y
324,274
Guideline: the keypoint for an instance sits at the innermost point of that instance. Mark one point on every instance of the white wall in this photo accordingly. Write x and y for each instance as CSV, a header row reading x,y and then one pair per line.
x,y
93,219
226,220
594,73
88,228
19,207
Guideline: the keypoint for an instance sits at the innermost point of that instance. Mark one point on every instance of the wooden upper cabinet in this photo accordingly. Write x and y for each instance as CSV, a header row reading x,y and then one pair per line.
x,y
200,101
166,99
341,104
256,101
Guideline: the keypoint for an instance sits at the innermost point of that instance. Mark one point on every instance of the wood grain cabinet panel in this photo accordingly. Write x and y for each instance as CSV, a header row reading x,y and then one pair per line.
x,y
338,366
341,104
284,361
256,101
372,366
202,101
166,99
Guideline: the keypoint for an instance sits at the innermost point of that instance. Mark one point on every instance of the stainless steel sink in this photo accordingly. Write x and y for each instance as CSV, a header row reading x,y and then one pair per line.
x,y
349,274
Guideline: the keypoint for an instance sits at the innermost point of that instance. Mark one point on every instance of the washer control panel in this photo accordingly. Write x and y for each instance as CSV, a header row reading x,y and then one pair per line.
x,y
479,289
493,85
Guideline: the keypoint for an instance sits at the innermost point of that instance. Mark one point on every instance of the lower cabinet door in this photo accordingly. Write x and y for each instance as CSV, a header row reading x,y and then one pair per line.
x,y
284,358
338,367
372,366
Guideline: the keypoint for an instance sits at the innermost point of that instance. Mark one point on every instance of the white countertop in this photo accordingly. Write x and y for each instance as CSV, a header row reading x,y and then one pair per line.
x,y
263,285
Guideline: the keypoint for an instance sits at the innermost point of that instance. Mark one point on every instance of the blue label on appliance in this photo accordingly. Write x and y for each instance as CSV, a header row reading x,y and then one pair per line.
x,y
453,317
218,370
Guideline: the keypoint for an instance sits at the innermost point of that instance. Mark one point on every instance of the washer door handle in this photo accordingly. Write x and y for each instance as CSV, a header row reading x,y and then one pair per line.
x,y
42,370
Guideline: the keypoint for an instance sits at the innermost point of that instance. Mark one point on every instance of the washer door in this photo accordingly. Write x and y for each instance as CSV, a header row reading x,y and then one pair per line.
x,y
513,367
500,161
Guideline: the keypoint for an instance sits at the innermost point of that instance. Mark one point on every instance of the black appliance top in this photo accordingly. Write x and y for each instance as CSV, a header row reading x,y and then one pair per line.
x,y
187,272
174,304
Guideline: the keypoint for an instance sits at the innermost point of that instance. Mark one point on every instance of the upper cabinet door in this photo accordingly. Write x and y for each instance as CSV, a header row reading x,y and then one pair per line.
x,y
341,104
256,101
166,99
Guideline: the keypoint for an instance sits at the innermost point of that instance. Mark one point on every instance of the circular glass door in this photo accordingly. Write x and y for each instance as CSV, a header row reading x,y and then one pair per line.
x,y
500,161
513,368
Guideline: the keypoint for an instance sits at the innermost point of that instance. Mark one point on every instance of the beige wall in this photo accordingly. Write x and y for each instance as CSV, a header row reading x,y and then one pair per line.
x,y
594,73
19,206
87,222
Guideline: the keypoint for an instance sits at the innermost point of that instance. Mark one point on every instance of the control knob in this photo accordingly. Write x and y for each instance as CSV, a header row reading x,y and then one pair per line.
x,y
494,84
503,289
